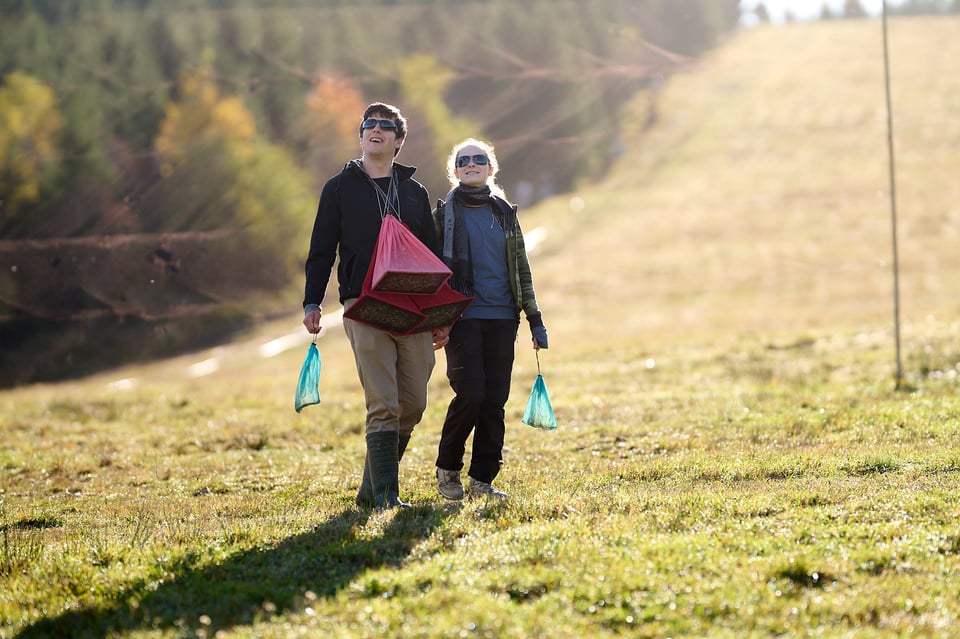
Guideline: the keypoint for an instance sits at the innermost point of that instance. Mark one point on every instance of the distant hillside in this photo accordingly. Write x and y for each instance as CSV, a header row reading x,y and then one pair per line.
x,y
758,200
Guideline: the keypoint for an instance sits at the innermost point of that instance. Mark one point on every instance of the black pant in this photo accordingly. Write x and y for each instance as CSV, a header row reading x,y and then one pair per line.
x,y
479,366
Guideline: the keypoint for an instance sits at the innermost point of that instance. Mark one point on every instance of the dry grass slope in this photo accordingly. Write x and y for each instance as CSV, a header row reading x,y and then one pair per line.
x,y
758,201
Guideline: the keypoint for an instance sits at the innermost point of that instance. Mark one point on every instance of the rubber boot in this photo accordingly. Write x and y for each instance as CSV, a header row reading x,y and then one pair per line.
x,y
383,450
365,494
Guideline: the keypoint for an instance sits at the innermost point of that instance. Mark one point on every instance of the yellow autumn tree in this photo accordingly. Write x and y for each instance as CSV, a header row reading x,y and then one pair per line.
x,y
219,174
202,118
30,124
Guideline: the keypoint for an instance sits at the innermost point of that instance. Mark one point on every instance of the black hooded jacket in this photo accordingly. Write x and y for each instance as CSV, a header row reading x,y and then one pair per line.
x,y
348,221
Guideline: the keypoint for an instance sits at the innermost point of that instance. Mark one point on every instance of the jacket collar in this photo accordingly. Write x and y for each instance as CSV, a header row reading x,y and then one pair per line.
x,y
404,172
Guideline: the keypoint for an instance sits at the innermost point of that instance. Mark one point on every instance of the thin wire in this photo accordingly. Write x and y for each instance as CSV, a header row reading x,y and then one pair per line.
x,y
893,201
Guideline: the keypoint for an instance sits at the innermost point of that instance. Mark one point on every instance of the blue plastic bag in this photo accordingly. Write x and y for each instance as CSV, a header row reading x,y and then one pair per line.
x,y
308,388
539,411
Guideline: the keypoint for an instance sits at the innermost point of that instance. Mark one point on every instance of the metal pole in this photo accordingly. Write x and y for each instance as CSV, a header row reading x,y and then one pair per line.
x,y
893,201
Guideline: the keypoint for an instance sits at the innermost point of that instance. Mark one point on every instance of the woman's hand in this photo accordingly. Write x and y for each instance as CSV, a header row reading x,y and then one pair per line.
x,y
539,337
440,337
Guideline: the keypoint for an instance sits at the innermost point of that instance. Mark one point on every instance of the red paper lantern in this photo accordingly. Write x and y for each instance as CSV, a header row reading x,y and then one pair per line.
x,y
403,264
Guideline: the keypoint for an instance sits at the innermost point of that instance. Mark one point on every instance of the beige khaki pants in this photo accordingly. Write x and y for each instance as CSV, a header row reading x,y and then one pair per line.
x,y
394,371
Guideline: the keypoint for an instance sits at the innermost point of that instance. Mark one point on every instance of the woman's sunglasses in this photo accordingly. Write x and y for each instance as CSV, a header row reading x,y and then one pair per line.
x,y
464,160
369,123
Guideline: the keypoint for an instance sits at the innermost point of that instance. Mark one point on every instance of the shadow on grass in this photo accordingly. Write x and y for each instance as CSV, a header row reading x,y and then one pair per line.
x,y
254,585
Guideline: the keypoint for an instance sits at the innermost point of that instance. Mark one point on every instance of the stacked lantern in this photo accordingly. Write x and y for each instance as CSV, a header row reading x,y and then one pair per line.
x,y
405,290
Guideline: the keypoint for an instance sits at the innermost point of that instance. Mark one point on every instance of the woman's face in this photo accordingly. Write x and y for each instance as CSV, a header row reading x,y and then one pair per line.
x,y
471,173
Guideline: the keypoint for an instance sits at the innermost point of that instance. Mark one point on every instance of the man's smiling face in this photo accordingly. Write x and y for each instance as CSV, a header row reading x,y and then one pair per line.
x,y
379,141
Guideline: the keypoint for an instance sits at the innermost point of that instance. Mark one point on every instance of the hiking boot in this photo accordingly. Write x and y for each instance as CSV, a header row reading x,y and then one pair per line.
x,y
448,483
483,489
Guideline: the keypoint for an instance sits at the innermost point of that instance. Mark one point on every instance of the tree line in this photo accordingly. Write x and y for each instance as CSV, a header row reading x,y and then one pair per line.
x,y
853,9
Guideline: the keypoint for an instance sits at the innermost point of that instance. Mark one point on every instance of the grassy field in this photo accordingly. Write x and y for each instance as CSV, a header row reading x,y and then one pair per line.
x,y
733,457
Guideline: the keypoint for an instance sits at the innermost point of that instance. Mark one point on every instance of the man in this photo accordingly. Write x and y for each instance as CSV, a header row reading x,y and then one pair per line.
x,y
394,370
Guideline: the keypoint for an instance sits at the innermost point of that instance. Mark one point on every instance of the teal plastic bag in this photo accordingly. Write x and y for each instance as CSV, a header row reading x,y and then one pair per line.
x,y
308,388
539,411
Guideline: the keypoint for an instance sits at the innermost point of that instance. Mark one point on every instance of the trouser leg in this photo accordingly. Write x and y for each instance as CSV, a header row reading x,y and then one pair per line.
x,y
394,372
479,366
414,366
498,355
465,372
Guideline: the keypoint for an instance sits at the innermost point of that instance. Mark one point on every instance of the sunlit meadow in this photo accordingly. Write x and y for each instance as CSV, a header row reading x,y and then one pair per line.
x,y
735,456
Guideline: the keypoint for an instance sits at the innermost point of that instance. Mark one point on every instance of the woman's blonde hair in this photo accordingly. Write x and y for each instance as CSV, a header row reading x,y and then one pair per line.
x,y
487,149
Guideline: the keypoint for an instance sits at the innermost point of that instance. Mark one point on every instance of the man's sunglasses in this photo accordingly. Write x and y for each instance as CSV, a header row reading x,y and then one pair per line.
x,y
369,123
464,160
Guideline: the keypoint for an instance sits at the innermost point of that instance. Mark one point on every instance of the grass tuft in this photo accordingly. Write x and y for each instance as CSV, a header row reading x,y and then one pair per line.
x,y
799,574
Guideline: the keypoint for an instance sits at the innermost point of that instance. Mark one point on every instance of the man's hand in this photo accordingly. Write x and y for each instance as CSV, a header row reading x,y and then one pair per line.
x,y
312,321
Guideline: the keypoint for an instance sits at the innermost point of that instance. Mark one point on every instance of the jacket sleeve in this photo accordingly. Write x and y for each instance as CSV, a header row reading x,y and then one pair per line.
x,y
323,244
528,297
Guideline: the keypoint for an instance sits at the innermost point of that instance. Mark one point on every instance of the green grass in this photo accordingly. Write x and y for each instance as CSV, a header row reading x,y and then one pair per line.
x,y
733,458
743,488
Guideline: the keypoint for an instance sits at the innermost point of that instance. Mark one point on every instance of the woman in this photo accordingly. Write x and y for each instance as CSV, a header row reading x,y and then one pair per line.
x,y
483,245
